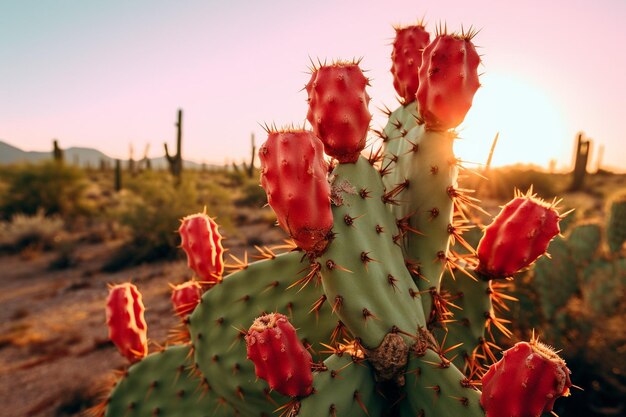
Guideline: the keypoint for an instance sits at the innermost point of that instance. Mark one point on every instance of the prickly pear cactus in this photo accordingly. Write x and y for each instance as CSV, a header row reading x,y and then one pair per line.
x,y
370,313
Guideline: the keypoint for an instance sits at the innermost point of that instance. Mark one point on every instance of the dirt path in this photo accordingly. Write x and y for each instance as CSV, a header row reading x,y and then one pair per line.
x,y
54,351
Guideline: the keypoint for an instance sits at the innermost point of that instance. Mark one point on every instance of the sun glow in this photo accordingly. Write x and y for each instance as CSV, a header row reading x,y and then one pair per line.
x,y
532,129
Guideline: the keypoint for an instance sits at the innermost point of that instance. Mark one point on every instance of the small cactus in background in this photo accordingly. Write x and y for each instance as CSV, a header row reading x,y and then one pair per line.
x,y
368,282
175,160
616,227
278,355
57,152
126,323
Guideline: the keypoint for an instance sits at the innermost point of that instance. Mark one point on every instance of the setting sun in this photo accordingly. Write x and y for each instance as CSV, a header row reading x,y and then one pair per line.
x,y
532,129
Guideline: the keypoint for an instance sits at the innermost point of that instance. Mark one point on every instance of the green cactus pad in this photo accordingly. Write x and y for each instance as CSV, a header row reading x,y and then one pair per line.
x,y
555,279
470,318
229,308
434,389
430,168
163,384
584,242
616,224
401,120
343,389
603,290
363,270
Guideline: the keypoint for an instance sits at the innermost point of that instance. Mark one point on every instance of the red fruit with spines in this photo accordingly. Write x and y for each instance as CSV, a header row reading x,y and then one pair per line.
x,y
525,382
338,109
406,58
185,297
448,80
519,234
126,322
202,242
279,356
294,176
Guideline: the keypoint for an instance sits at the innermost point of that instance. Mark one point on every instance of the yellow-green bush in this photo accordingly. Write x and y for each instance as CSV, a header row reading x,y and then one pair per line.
x,y
49,186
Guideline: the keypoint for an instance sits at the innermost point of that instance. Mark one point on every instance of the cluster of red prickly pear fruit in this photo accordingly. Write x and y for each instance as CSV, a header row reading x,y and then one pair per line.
x,y
124,309
294,176
278,355
185,297
517,236
406,58
126,323
338,109
525,382
202,243
448,80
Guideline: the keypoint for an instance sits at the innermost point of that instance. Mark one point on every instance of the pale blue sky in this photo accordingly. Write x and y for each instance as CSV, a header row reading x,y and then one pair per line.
x,y
107,74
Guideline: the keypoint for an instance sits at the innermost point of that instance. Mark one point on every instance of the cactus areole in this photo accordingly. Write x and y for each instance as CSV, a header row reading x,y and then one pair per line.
x,y
279,356
126,323
525,382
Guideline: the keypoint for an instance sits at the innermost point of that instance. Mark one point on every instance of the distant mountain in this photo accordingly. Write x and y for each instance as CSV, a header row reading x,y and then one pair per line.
x,y
10,154
84,157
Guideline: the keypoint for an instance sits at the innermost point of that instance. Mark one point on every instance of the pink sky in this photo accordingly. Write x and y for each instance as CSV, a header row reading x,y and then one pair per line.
x,y
106,75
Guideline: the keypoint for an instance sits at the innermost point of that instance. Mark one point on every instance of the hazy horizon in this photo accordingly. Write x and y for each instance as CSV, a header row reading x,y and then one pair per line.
x,y
107,75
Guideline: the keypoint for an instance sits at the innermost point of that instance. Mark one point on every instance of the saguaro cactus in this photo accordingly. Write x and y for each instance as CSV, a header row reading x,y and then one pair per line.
x,y
57,152
357,319
117,175
249,168
175,161
581,158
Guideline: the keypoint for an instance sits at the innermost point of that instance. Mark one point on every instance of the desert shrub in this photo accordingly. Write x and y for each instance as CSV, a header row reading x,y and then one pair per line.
x,y
38,231
500,183
253,195
48,186
65,257
217,200
150,208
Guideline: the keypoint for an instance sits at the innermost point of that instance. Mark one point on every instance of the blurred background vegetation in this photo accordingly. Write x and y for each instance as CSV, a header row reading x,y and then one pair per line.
x,y
47,204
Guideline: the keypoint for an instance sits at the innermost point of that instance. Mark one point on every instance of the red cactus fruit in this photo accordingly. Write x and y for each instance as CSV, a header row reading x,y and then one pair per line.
x,y
448,80
185,297
406,58
294,176
338,109
517,236
279,356
202,242
525,382
126,323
